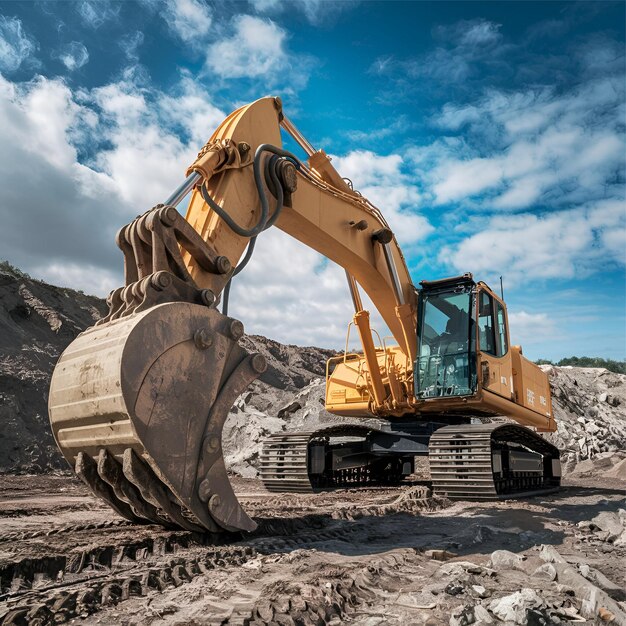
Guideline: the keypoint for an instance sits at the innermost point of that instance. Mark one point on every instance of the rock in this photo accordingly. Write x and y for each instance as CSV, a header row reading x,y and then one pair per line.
x,y
454,589
290,408
614,401
482,615
517,606
545,572
605,615
584,467
592,597
621,540
480,591
610,523
503,559
460,569
618,470
463,616
584,401
439,555
592,428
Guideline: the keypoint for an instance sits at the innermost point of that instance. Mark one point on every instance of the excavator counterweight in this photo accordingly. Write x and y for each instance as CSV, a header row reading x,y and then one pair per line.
x,y
138,402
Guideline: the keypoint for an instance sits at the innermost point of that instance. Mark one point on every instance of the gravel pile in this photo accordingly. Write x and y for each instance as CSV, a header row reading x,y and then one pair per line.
x,y
590,409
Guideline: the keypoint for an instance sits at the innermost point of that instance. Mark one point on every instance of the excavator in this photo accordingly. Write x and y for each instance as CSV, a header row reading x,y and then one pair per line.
x,y
138,402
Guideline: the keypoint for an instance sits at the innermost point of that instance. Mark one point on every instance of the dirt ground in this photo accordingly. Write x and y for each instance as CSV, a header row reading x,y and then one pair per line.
x,y
381,556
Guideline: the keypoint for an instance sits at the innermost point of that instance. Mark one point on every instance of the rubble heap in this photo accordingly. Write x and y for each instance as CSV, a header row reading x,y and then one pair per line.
x,y
589,405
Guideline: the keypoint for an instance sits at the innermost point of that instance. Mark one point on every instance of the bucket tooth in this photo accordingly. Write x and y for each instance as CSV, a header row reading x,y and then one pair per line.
x,y
111,472
153,490
87,470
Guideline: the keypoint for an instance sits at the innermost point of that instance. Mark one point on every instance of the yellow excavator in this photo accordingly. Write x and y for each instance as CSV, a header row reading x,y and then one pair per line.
x,y
138,402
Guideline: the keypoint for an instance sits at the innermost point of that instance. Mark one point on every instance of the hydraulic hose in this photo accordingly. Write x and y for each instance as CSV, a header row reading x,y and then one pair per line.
x,y
242,264
261,224
264,223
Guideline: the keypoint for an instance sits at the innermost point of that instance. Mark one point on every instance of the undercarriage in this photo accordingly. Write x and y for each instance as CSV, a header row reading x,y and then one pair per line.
x,y
467,461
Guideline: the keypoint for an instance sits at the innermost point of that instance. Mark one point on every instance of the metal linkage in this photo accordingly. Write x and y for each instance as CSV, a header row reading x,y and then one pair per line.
x,y
300,139
155,271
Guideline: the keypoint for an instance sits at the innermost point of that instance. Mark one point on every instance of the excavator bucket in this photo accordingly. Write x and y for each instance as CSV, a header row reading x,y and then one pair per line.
x,y
137,407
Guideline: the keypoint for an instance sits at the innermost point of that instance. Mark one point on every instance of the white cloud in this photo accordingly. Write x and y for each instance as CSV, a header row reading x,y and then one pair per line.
x,y
130,44
188,19
267,5
77,206
475,33
94,13
191,109
67,212
139,125
315,11
467,47
85,277
530,148
558,245
15,45
454,180
291,293
401,124
365,167
529,329
73,55
256,48
382,180
480,33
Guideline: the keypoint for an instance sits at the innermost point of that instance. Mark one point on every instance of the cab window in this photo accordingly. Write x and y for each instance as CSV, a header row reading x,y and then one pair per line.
x,y
501,319
487,337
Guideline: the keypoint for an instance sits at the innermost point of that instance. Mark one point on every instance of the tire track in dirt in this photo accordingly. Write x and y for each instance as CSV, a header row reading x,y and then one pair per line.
x,y
53,588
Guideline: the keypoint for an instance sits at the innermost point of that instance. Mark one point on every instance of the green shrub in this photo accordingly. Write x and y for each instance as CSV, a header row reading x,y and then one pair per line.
x,y
619,367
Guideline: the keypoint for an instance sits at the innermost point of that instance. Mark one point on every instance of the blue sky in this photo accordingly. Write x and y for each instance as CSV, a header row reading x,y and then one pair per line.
x,y
492,136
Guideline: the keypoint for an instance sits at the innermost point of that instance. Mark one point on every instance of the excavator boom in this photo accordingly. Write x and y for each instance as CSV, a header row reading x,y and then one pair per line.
x,y
138,402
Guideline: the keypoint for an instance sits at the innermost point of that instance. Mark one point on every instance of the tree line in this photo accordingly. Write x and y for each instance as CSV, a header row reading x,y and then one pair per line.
x,y
619,367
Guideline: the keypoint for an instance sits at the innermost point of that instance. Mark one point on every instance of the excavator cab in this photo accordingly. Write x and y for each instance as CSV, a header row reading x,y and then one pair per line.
x,y
446,338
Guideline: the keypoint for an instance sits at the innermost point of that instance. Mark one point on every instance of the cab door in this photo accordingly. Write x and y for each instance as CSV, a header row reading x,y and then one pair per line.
x,y
494,357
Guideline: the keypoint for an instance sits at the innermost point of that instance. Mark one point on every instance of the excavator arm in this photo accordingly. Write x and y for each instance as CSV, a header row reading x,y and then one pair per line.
x,y
138,402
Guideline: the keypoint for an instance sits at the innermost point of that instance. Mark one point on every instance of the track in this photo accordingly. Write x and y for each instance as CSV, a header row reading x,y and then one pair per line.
x,y
462,467
285,463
